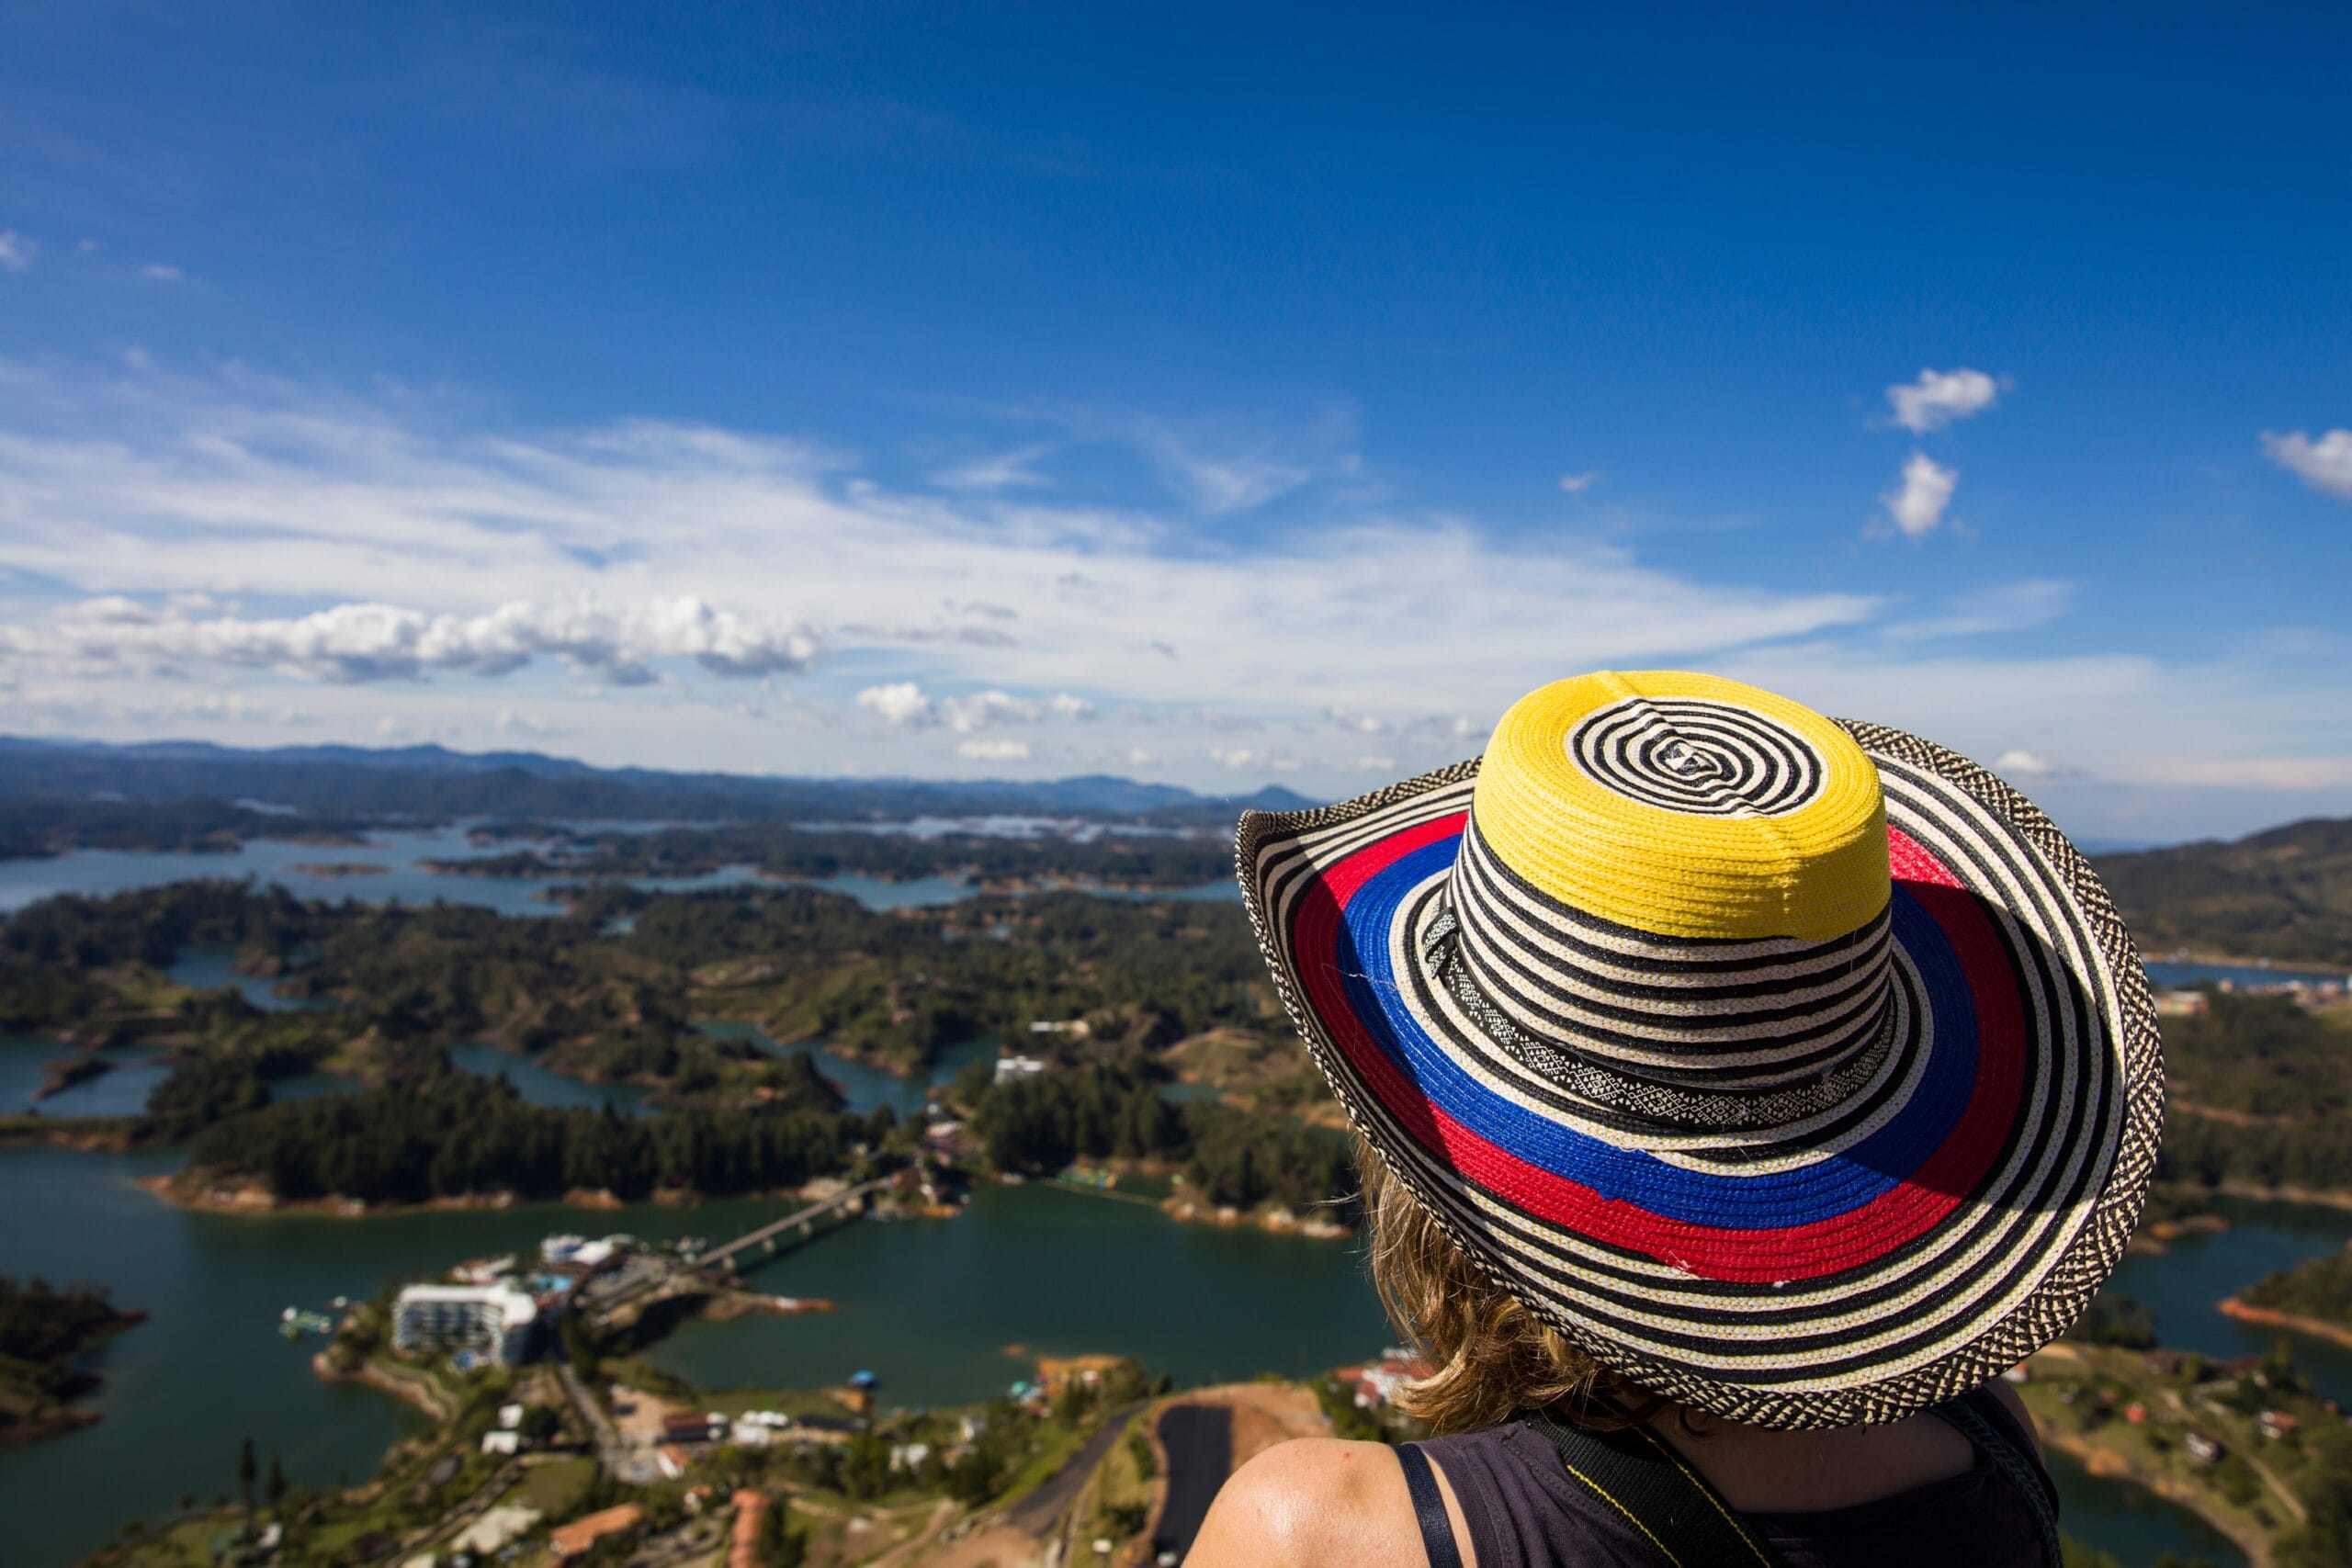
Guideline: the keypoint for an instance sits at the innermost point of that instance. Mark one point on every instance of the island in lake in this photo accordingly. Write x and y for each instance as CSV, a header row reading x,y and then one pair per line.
x,y
45,1333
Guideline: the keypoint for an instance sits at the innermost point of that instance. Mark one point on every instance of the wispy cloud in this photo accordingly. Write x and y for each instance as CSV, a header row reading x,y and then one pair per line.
x,y
2324,464
2007,607
351,559
1577,484
1000,471
1917,506
1940,398
17,252
160,272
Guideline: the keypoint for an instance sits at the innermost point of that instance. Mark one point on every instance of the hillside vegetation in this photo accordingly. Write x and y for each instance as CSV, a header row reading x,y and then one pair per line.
x,y
2285,893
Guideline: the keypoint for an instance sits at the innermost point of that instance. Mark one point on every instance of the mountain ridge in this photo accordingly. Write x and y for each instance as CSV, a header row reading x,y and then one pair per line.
x,y
436,780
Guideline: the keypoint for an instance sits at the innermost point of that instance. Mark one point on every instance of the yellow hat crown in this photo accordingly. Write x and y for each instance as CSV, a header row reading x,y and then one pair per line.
x,y
1680,878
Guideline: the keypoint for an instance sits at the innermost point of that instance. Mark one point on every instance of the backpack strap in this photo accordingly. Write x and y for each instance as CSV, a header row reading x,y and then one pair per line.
x,y
1428,1508
1981,1418
1640,1478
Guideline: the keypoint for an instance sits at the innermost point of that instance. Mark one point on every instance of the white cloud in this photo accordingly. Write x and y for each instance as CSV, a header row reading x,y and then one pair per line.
x,y
1234,757
1941,397
339,539
2324,464
900,703
1918,505
1577,484
1003,470
161,272
2018,764
506,721
2007,607
361,641
904,703
993,751
17,252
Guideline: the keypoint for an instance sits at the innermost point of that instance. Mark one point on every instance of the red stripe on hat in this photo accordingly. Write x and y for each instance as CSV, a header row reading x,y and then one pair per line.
x,y
1808,1251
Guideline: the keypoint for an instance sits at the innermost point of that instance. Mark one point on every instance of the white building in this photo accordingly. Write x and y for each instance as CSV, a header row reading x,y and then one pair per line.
x,y
497,1320
1011,1066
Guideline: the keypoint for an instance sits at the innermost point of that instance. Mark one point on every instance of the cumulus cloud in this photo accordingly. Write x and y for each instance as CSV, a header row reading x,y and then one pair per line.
x,y
1941,397
2324,464
361,641
900,703
904,703
17,252
1917,506
289,518
2019,764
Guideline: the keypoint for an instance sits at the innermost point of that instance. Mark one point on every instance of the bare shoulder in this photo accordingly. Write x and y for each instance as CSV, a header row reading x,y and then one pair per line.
x,y
2014,1403
1312,1503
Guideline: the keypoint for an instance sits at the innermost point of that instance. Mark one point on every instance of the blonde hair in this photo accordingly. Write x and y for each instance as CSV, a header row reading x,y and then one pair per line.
x,y
1488,1355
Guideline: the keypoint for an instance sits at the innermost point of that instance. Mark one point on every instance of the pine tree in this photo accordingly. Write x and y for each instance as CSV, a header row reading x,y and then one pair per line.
x,y
247,1473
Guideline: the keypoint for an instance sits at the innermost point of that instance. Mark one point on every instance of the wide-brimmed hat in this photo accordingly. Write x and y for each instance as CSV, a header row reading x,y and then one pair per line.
x,y
1796,1068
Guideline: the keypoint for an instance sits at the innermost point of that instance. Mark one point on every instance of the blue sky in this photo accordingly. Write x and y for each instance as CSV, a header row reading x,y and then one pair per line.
x,y
1190,393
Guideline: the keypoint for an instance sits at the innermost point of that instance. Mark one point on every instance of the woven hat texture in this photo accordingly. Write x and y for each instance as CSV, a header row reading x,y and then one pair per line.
x,y
1797,1069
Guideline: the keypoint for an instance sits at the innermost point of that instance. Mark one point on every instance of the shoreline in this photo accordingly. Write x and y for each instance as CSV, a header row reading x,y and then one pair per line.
x,y
2294,1322
88,1134
2107,1464
2317,1198
249,1202
2156,1240
414,1395
58,1422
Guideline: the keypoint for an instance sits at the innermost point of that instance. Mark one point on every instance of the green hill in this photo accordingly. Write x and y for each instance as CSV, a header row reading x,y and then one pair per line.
x,y
2285,893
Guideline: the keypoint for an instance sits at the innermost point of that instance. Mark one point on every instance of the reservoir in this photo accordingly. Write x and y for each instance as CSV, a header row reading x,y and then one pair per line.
x,y
930,1305
392,865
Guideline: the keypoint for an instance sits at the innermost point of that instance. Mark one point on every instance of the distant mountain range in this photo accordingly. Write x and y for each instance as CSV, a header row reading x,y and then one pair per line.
x,y
2284,894
433,781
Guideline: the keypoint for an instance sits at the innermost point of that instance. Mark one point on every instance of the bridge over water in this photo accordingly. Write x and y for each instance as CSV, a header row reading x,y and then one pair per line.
x,y
784,1234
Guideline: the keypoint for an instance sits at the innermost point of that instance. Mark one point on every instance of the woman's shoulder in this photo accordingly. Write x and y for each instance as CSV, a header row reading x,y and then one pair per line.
x,y
1315,1503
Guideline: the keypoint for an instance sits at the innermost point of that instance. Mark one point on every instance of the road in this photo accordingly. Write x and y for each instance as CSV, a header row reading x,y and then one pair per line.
x,y
1199,1440
622,1461
1037,1512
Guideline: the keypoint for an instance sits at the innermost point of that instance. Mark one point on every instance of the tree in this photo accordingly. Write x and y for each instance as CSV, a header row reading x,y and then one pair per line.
x,y
278,1487
779,1545
247,1473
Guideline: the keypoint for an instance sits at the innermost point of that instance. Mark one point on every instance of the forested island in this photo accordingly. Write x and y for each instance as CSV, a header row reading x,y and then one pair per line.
x,y
1135,861
39,829
44,1333
2314,1297
1137,988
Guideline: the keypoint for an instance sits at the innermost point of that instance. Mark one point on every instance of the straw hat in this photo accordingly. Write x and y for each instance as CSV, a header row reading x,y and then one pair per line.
x,y
1796,1068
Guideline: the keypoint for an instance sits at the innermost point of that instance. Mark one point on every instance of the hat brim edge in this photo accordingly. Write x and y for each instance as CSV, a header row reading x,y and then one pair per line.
x,y
2067,1285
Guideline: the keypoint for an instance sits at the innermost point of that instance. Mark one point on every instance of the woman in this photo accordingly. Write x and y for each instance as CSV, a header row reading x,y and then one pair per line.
x,y
1739,1093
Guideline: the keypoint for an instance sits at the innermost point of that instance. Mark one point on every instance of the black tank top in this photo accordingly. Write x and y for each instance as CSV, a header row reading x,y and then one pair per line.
x,y
1524,1512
